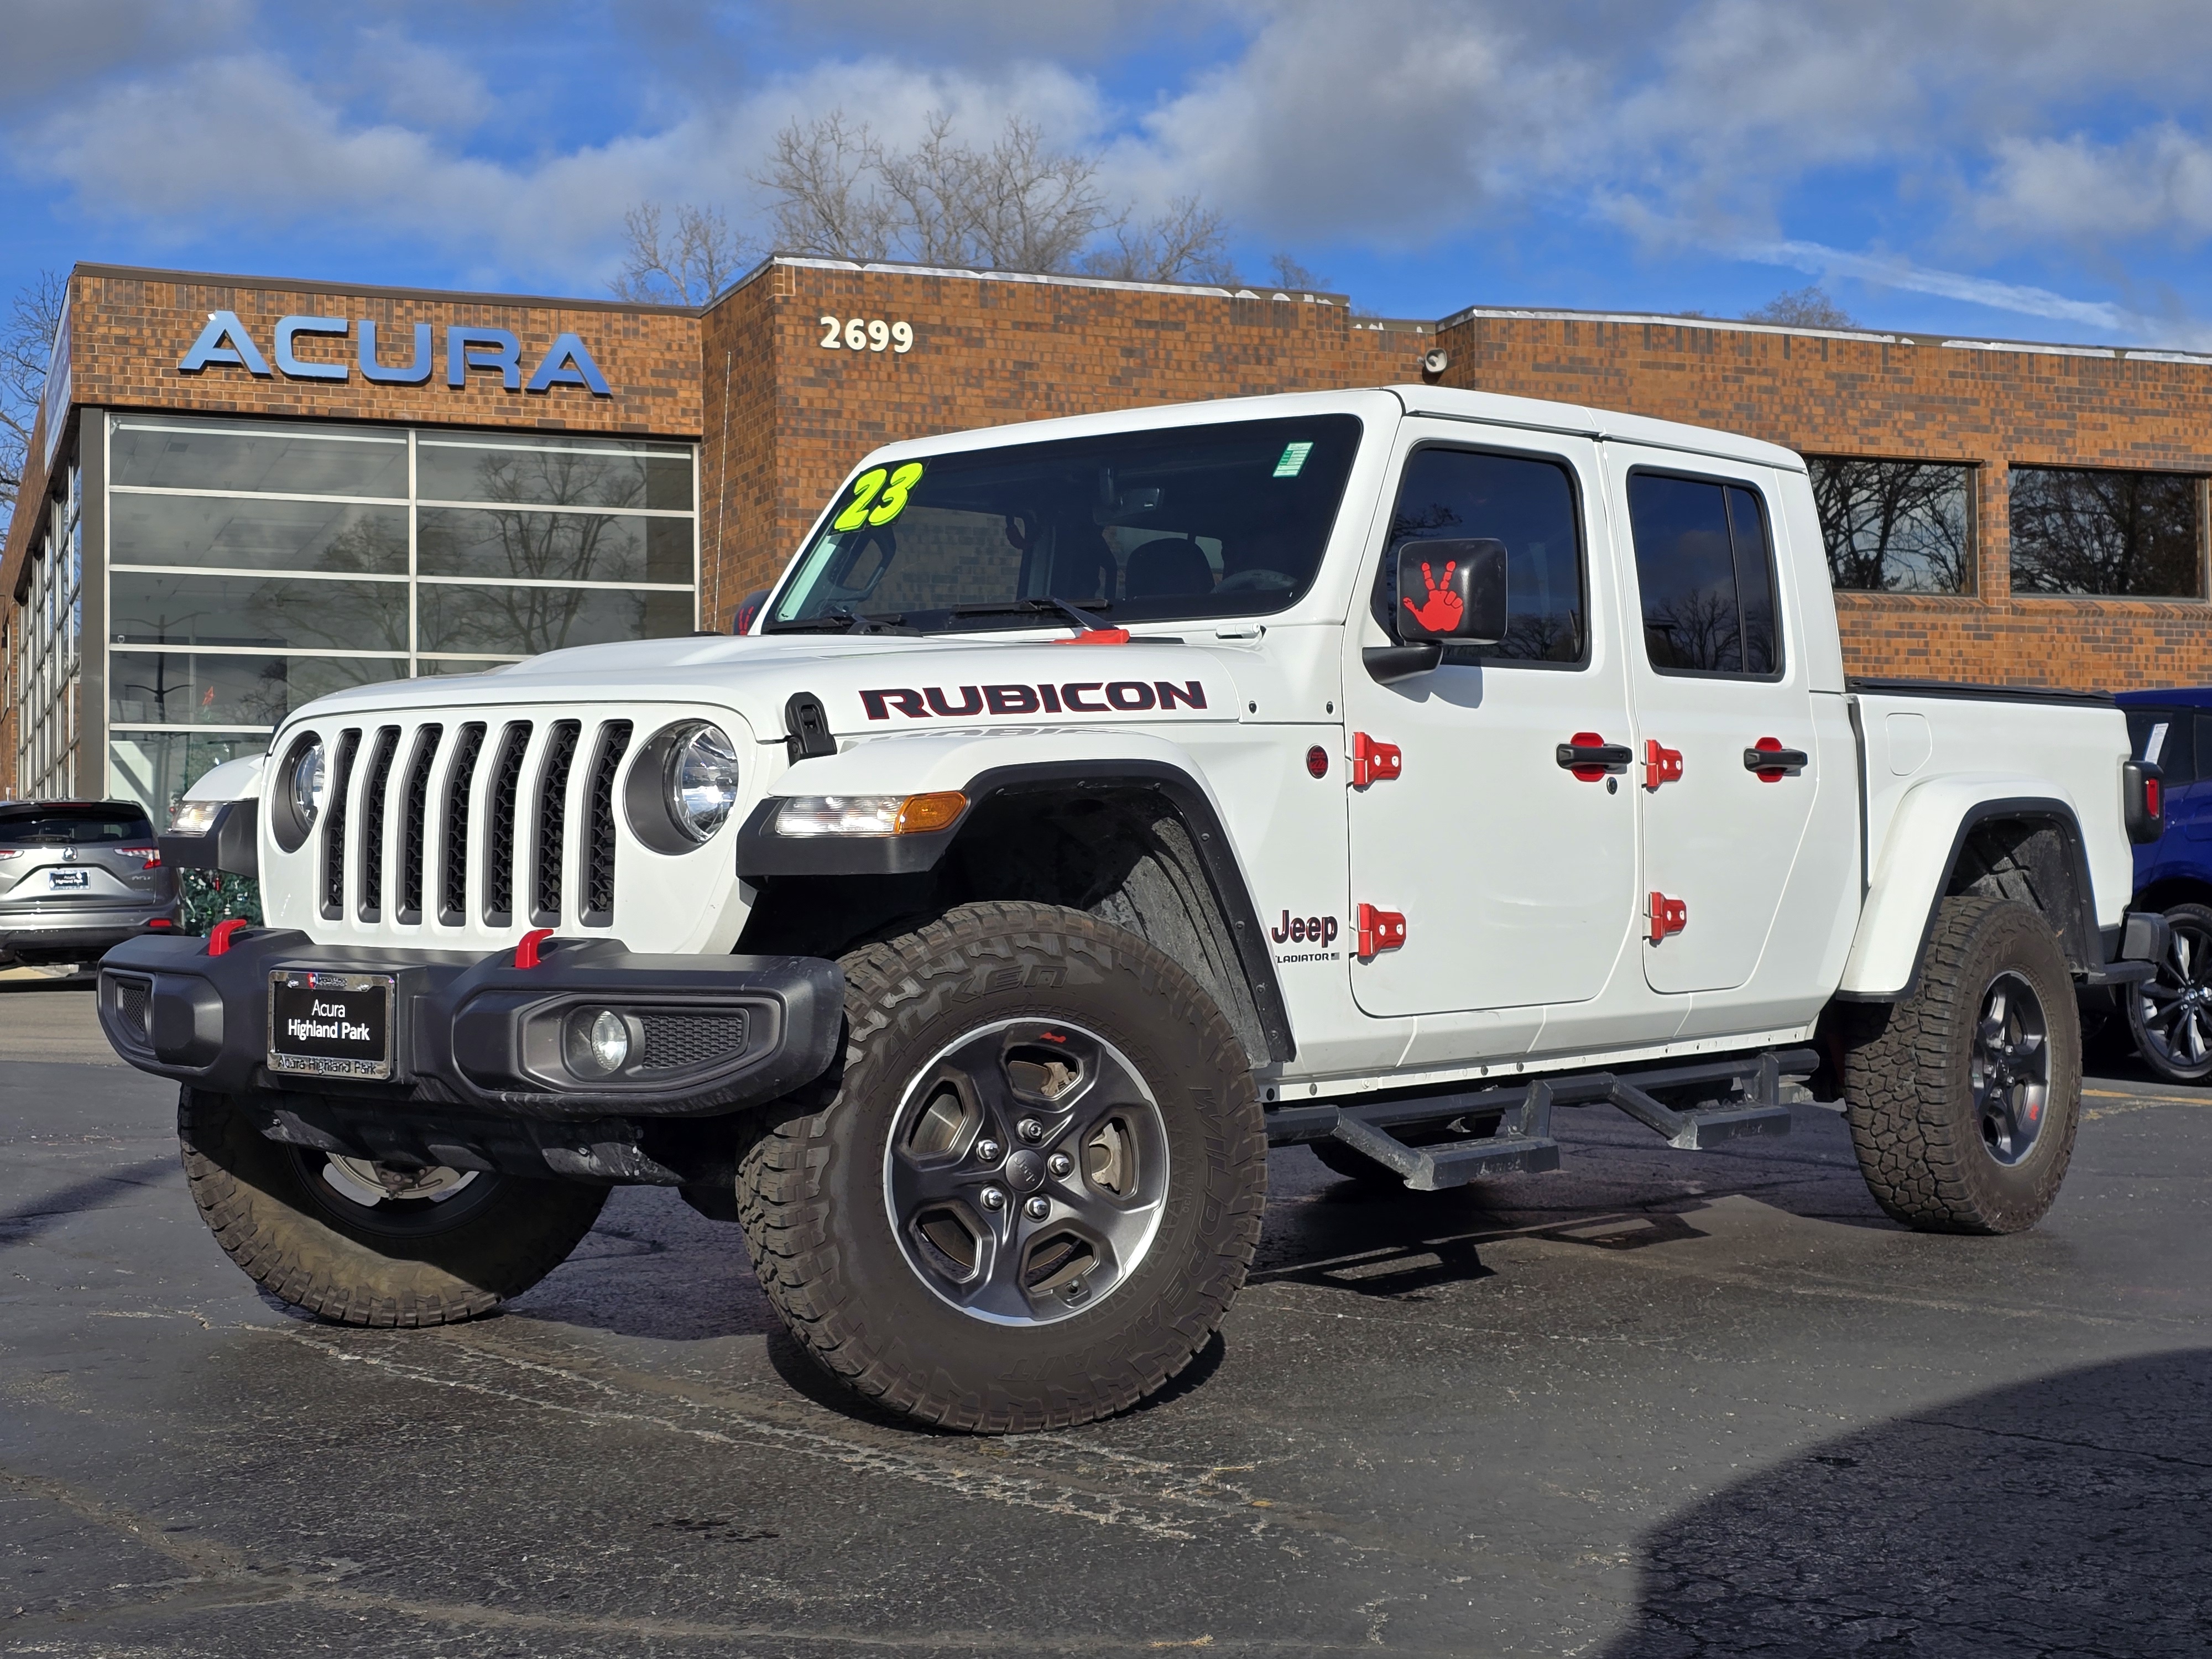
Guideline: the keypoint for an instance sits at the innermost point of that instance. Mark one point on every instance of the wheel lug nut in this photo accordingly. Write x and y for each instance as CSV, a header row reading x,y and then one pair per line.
x,y
1039,1208
1031,1129
1060,1163
993,1198
988,1151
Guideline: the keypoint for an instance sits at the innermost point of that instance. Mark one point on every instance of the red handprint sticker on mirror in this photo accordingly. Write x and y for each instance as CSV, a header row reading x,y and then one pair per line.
x,y
1439,613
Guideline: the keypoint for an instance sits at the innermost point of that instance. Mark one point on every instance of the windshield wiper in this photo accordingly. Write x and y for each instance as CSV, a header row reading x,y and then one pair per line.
x,y
1089,621
843,619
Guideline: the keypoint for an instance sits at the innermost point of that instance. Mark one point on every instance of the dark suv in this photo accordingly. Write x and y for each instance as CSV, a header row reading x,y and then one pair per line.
x,y
77,877
2170,1017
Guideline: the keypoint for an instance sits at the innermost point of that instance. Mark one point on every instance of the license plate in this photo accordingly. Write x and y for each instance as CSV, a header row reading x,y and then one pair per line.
x,y
329,1024
59,879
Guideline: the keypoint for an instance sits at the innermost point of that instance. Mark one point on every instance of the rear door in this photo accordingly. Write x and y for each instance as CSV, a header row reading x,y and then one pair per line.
x,y
1516,877
1715,686
57,855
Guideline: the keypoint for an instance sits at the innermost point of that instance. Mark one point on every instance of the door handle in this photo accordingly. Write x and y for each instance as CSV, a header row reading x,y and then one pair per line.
x,y
1589,756
1771,761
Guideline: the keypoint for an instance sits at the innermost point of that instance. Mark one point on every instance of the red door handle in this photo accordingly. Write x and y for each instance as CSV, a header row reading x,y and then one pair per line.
x,y
1771,763
1589,756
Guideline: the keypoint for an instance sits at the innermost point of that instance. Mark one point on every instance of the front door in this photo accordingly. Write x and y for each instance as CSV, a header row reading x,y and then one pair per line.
x,y
1717,688
1515,876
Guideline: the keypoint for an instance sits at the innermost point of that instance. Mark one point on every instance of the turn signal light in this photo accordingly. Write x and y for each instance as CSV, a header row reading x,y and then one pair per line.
x,y
870,815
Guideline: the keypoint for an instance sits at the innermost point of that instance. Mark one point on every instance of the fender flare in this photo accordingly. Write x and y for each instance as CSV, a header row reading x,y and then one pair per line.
x,y
761,853
1914,876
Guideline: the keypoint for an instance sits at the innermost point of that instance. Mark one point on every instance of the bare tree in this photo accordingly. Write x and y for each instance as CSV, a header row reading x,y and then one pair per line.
x,y
826,202
26,344
1019,205
1894,526
1288,274
687,264
1803,307
1185,243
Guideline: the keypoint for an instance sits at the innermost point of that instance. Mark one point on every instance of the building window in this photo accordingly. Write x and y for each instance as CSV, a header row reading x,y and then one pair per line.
x,y
2136,534
1895,526
47,661
253,566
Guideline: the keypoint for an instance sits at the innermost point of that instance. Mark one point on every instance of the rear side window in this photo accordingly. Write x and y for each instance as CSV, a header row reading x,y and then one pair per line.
x,y
1705,566
49,826
1527,503
2169,738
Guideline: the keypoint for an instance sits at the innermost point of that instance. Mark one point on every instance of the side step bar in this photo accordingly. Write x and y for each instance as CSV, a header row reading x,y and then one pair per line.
x,y
1522,1144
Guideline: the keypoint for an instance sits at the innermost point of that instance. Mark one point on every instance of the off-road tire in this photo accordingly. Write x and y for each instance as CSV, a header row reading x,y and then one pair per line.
x,y
1912,1108
811,1191
254,1198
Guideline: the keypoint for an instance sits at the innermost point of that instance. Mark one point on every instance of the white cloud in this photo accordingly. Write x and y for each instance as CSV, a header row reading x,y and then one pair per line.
x,y
2157,185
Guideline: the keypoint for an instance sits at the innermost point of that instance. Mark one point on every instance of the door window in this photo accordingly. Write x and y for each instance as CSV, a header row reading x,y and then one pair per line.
x,y
1704,565
1528,505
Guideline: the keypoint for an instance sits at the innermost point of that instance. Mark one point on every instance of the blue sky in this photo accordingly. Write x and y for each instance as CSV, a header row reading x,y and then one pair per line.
x,y
2013,168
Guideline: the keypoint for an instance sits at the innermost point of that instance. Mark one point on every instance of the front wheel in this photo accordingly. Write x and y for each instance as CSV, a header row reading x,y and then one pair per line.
x,y
364,1243
1964,1097
1037,1186
2170,1015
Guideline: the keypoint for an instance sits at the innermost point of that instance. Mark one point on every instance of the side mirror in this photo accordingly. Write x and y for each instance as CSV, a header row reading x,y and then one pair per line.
x,y
1452,592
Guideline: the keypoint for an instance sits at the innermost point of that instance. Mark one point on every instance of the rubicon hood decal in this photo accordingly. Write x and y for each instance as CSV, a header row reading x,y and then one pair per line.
x,y
1044,696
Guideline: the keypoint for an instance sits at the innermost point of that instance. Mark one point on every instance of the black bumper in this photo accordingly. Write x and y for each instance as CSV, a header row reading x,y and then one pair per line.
x,y
481,1036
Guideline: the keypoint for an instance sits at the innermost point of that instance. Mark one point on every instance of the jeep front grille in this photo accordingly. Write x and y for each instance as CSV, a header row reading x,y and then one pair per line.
x,y
457,828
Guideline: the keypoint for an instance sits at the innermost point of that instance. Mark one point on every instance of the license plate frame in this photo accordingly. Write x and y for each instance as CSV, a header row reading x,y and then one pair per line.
x,y
332,999
69,881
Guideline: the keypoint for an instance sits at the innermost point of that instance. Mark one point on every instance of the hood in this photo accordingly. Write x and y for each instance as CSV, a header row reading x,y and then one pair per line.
x,y
867,685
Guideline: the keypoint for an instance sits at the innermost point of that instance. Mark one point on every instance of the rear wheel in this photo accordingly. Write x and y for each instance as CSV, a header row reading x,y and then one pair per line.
x,y
2170,1016
1964,1097
1038,1185
365,1243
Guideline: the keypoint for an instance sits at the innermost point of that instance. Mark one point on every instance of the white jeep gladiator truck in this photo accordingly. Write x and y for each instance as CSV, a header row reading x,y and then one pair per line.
x,y
1094,803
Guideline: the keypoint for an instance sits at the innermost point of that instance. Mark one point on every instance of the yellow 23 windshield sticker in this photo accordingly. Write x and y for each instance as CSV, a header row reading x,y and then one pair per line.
x,y
878,496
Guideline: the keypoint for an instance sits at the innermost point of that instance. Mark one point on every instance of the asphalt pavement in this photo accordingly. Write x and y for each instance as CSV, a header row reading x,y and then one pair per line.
x,y
1659,1404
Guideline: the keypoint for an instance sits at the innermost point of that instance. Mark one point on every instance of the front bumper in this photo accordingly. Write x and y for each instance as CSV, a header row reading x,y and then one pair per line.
x,y
480,1035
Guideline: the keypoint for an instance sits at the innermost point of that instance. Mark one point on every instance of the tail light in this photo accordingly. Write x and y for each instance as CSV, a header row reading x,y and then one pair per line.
x,y
151,854
2142,800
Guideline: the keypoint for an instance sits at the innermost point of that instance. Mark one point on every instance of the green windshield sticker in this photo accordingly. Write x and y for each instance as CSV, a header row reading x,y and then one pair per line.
x,y
878,496
1294,458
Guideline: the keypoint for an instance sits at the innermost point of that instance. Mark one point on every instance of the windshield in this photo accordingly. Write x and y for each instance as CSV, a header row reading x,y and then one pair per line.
x,y
1187,522
95,821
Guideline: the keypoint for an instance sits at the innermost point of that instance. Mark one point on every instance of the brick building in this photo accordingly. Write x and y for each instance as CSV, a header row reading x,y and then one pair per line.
x,y
243,492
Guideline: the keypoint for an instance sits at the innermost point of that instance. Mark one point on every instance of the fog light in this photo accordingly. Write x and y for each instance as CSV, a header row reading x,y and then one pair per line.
x,y
599,1042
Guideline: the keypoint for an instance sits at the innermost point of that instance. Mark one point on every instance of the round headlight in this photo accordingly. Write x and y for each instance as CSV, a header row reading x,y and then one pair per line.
x,y
702,782
309,782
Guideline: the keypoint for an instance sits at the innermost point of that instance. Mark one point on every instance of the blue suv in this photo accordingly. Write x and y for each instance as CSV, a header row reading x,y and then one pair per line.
x,y
2170,1017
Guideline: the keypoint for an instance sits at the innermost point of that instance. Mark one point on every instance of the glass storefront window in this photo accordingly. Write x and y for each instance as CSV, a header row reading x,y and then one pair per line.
x,y
521,621
253,566
539,546
181,687
226,532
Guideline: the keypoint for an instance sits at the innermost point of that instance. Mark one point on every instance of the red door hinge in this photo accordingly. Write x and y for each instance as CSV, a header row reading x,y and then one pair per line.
x,y
1379,931
1661,764
1373,761
1668,915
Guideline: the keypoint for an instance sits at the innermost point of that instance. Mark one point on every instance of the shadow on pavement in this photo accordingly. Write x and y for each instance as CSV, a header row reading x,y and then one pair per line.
x,y
2071,1515
43,1214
